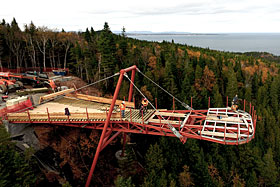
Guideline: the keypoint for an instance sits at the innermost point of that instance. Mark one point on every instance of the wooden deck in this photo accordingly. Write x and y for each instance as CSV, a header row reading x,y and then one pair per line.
x,y
219,125
130,116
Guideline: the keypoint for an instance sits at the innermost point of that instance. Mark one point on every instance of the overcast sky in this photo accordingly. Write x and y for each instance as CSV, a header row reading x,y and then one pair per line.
x,y
197,16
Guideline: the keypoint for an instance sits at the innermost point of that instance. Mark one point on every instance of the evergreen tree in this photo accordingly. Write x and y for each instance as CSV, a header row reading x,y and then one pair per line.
x,y
107,48
218,100
268,169
155,164
14,169
169,79
187,83
275,94
201,174
198,77
252,180
185,178
123,43
239,73
87,35
231,89
122,182
248,94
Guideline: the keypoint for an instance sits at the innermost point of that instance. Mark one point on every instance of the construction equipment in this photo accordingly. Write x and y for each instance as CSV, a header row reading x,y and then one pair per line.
x,y
6,85
29,78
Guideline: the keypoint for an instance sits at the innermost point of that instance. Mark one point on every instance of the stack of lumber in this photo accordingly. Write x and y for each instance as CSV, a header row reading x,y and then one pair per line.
x,y
100,99
54,95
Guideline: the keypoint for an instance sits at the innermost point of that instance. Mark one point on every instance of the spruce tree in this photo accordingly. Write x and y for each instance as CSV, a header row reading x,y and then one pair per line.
x,y
107,48
218,99
268,169
275,94
231,88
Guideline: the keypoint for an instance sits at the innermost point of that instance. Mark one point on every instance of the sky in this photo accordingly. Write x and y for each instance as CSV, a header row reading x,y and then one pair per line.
x,y
196,16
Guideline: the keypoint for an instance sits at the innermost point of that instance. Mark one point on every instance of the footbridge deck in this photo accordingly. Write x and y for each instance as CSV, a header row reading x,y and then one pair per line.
x,y
221,125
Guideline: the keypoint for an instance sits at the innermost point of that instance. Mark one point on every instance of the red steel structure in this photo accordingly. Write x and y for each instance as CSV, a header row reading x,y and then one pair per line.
x,y
219,125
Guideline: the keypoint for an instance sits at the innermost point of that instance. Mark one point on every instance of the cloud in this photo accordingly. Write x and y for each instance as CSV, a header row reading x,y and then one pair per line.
x,y
155,15
185,9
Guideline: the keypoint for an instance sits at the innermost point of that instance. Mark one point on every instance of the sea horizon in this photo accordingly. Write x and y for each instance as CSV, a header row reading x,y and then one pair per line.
x,y
229,42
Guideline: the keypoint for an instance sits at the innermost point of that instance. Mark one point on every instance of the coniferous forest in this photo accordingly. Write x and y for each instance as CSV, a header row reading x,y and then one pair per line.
x,y
185,71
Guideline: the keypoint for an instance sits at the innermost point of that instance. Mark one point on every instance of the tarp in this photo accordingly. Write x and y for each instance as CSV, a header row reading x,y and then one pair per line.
x,y
20,107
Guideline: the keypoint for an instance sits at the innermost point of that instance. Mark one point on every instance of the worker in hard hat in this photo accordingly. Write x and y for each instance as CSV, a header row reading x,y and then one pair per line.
x,y
234,103
144,105
145,102
122,108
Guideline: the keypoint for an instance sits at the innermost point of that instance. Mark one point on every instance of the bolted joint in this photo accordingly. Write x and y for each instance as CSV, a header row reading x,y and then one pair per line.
x,y
183,140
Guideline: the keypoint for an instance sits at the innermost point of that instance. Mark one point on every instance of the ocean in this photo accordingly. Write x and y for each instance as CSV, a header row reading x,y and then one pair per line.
x,y
232,42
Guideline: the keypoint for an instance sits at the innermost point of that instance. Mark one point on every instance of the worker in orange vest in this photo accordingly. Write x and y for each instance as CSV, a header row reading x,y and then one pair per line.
x,y
143,107
145,102
52,84
122,108
234,106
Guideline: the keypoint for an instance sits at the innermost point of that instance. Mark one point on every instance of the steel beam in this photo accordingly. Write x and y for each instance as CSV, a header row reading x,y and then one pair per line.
x,y
105,128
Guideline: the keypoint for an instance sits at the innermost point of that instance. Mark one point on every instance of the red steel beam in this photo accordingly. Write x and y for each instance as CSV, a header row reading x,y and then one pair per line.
x,y
128,69
105,127
131,85
151,129
122,72
110,140
129,100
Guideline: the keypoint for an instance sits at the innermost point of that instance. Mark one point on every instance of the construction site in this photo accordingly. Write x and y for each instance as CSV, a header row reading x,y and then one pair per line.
x,y
220,125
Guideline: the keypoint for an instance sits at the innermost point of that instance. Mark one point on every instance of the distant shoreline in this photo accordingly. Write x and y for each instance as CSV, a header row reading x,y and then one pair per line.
x,y
233,42
168,34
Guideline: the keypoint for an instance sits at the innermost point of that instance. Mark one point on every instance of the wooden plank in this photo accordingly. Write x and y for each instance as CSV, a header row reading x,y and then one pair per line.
x,y
180,115
220,134
215,115
60,115
163,121
247,125
230,119
100,99
185,120
53,95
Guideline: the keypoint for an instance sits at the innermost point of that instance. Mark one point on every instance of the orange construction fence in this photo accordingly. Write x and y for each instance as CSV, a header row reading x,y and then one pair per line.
x,y
22,70
20,107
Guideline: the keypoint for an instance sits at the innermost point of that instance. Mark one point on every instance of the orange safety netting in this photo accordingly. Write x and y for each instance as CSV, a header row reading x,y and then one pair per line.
x,y
20,107
38,69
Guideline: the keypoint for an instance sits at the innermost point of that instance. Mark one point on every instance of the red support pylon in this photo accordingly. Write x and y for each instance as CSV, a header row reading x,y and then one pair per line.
x,y
129,100
107,123
156,102
227,101
124,141
173,104
131,85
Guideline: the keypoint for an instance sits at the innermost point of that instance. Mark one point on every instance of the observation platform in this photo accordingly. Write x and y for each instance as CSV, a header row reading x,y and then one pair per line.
x,y
220,125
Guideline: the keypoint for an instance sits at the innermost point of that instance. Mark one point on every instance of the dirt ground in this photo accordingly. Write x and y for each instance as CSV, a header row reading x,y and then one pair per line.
x,y
54,107
75,82
69,81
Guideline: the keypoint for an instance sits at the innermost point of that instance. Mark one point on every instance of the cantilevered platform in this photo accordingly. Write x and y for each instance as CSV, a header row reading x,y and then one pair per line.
x,y
221,125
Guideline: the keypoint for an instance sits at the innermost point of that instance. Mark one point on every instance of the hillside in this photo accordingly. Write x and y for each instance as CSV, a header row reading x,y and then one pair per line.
x,y
186,72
